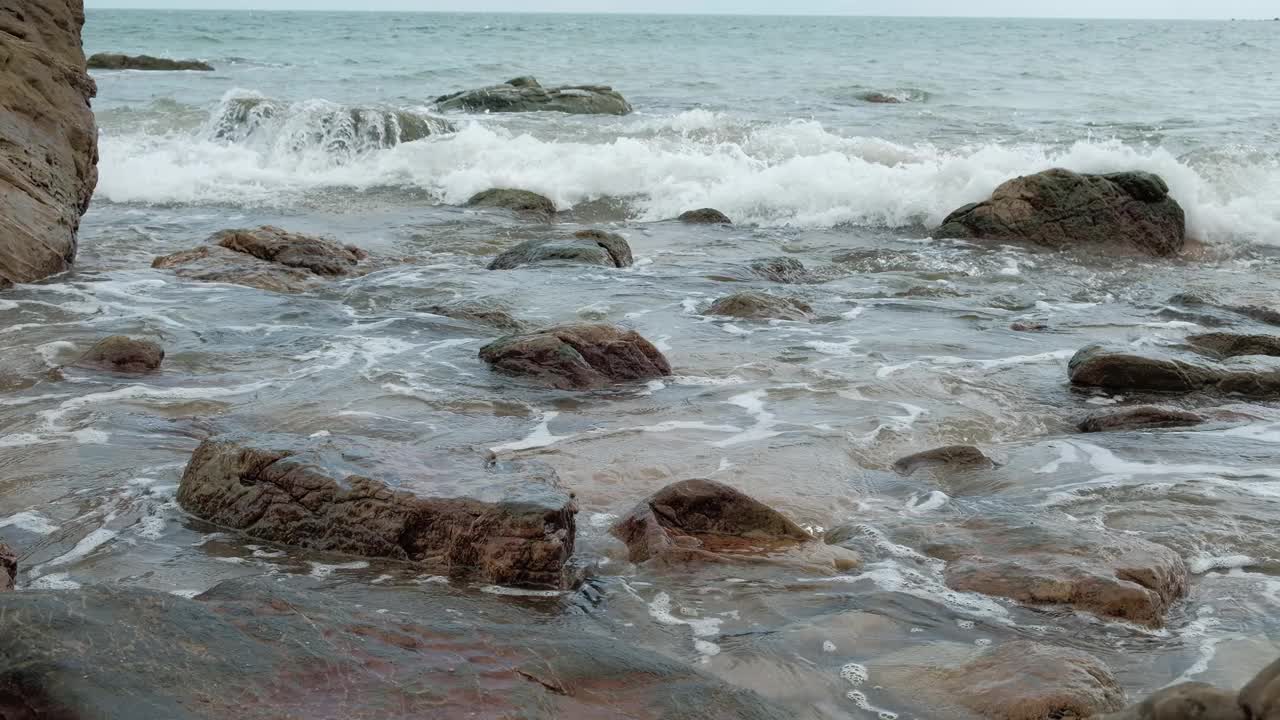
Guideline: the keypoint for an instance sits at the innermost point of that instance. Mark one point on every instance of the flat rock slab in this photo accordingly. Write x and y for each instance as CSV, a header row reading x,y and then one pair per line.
x,y
1123,213
525,94
265,649
512,525
267,258
120,353
48,138
586,247
1120,370
761,306
117,61
1145,417
1018,680
578,357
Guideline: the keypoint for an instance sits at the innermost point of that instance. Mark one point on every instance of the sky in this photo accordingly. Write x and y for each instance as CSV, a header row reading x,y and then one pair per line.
x,y
1191,9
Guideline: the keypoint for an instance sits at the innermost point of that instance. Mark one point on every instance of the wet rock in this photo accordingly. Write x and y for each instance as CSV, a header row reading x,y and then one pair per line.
x,y
1129,212
953,457
1145,417
894,97
586,247
1229,345
1188,701
336,128
518,201
1261,697
780,270
48,138
1018,680
114,652
120,353
8,569
1028,327
704,216
510,525
525,94
1252,311
1118,370
1042,563
578,356
116,61
761,306
267,258
482,314
700,520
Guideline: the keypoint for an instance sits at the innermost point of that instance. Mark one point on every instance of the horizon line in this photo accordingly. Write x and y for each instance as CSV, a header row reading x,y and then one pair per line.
x,y
680,14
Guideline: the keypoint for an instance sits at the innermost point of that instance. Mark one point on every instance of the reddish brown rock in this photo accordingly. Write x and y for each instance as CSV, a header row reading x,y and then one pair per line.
x,y
8,567
267,258
699,520
1188,701
48,139
120,353
1121,370
578,357
507,526
1129,212
1029,681
1145,417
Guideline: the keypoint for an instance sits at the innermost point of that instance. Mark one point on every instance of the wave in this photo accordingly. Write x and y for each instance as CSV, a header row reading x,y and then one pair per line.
x,y
795,173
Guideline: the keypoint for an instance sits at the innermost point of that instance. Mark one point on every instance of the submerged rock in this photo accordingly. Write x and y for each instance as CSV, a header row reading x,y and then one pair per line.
x,y
116,61
1125,212
1241,307
704,216
578,357
780,270
511,526
1119,369
48,139
761,306
484,314
116,652
267,258
1229,345
120,353
8,569
1261,697
952,457
586,247
697,520
1145,417
525,94
519,201
1187,701
335,129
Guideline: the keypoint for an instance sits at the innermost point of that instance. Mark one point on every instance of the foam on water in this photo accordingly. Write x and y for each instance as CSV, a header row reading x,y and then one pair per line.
x,y
660,609
30,521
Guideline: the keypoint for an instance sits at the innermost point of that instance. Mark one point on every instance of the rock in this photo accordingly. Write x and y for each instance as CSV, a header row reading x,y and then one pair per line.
x,y
267,258
525,94
761,306
1018,680
492,315
8,569
1261,313
1229,345
780,270
1145,417
120,353
586,247
115,61
1121,212
578,357
336,129
704,216
1261,697
700,520
950,458
288,647
894,97
48,139
510,526
1028,327
1188,701
1118,370
519,201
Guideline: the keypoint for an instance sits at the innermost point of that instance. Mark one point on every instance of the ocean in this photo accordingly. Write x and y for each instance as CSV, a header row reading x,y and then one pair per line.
x,y
775,122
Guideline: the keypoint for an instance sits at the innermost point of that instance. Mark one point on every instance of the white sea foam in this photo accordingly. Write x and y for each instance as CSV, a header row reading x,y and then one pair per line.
x,y
540,436
32,522
797,173
322,570
703,628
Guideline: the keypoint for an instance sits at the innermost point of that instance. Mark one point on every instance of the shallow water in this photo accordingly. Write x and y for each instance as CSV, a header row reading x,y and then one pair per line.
x,y
912,348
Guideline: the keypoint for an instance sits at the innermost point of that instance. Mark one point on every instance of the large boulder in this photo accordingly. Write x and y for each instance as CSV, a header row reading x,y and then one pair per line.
x,y
578,356
511,526
525,94
1122,370
761,306
271,648
117,61
523,202
1127,212
8,568
120,353
586,247
267,258
48,139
